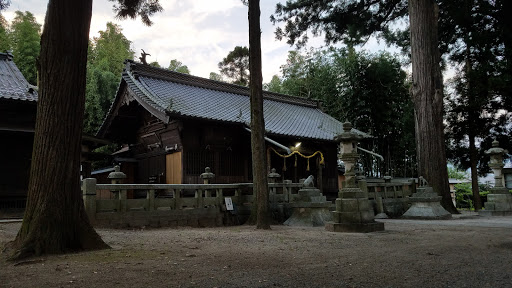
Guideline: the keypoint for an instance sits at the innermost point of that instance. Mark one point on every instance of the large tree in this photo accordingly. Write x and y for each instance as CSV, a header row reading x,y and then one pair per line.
x,y
259,163
25,40
235,66
427,90
55,220
353,22
477,104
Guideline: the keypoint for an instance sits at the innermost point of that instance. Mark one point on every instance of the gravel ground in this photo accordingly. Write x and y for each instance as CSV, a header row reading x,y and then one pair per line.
x,y
468,251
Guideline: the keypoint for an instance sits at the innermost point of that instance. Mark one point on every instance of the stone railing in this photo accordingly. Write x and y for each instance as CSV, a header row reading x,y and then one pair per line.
x,y
390,197
390,190
171,203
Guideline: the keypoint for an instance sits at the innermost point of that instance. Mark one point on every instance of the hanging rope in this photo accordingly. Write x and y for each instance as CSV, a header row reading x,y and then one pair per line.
x,y
301,155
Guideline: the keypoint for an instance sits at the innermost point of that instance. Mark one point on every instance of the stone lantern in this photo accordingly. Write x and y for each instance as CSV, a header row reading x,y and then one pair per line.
x,y
207,175
353,211
349,156
499,200
116,177
496,154
273,176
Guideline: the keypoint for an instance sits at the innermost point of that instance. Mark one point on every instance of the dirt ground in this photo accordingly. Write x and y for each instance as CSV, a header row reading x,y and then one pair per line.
x,y
468,251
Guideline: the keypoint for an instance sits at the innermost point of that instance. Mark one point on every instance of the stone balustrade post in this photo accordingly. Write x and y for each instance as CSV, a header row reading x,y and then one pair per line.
x,y
150,196
177,198
122,200
273,176
199,198
89,196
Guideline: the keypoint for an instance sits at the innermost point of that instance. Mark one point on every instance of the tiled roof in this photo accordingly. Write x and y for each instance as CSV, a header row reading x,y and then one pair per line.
x,y
12,83
180,95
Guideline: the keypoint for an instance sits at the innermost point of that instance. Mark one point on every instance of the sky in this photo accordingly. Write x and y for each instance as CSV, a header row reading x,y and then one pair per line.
x,y
199,33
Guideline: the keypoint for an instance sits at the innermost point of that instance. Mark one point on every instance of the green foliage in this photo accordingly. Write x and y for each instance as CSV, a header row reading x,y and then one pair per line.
x,y
110,49
275,85
477,107
5,43
24,39
177,66
349,21
104,68
155,64
235,66
370,90
133,8
474,35
464,194
456,174
215,76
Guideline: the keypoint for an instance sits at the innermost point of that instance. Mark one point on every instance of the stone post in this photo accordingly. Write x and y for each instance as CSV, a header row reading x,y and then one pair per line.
x,y
206,176
117,177
89,196
499,199
273,176
150,196
353,213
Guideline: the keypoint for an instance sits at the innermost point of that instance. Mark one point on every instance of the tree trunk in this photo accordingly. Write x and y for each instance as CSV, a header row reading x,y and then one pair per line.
x,y
257,121
473,158
472,119
55,220
427,93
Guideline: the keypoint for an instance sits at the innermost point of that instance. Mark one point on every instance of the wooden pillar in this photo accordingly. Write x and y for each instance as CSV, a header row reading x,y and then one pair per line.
x,y
319,176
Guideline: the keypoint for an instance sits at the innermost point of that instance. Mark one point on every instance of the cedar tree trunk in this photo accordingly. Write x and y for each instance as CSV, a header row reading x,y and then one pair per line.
x,y
55,220
427,93
259,166
472,119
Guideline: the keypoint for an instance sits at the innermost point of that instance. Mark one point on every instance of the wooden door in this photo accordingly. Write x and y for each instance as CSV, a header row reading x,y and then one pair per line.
x,y
173,168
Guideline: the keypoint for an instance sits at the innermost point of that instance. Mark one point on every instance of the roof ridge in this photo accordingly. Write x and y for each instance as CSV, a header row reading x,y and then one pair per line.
x,y
137,69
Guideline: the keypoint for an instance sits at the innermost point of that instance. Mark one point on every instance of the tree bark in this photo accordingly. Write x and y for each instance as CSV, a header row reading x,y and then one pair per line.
x,y
55,220
427,90
472,118
257,121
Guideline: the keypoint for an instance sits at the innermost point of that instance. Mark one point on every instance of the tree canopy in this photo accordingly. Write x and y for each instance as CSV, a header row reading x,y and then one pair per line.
x,y
24,41
5,43
178,66
104,67
235,66
370,90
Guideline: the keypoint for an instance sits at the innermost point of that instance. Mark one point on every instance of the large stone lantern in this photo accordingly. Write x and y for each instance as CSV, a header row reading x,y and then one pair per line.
x,y
499,200
353,211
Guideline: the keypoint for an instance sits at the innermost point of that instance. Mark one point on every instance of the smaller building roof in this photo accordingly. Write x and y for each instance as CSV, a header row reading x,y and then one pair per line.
x,y
168,94
12,83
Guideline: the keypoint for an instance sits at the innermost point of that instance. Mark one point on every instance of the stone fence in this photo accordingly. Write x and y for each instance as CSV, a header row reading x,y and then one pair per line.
x,y
394,196
178,204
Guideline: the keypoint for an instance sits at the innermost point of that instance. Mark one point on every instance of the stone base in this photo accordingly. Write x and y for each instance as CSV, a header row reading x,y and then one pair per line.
x,y
309,216
490,213
427,211
499,204
426,205
381,216
354,227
